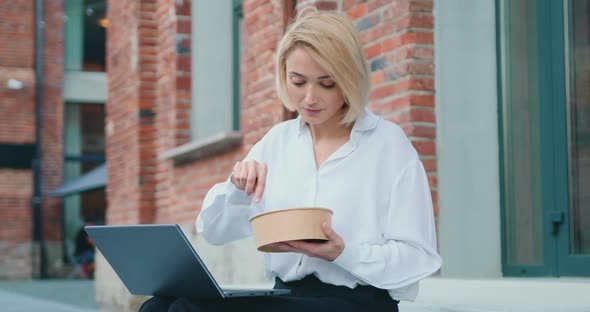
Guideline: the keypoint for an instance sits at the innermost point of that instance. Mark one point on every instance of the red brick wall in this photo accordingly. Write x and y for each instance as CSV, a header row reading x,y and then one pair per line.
x,y
180,189
149,56
15,204
173,115
149,78
181,117
398,39
122,112
17,107
17,33
177,191
17,122
53,111
17,125
260,110
141,114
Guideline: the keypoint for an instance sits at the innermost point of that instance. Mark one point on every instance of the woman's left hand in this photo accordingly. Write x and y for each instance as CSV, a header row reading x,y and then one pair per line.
x,y
328,250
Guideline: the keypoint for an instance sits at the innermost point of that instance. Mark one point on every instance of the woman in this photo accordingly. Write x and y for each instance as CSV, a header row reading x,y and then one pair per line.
x,y
339,155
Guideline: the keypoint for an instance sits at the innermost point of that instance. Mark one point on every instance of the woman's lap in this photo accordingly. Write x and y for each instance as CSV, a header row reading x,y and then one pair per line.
x,y
260,304
308,295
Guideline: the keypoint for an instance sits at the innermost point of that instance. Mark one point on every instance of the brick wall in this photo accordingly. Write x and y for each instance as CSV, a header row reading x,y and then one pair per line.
x,y
148,109
260,110
122,111
17,107
141,105
17,34
122,138
15,217
142,119
15,204
53,111
181,115
149,55
17,121
17,126
398,41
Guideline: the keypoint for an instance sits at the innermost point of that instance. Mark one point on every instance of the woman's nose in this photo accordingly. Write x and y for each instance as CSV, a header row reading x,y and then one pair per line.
x,y
310,96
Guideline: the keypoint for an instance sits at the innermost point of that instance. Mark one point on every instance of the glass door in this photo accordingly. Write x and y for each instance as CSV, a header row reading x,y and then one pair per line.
x,y
574,241
524,249
544,67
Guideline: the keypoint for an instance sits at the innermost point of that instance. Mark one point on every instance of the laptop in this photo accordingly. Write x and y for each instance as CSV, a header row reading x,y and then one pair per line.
x,y
158,260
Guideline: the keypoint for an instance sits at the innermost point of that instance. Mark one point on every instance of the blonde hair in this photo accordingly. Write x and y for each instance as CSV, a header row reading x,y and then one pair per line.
x,y
333,42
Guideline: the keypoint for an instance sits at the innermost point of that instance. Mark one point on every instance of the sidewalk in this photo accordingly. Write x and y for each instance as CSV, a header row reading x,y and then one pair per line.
x,y
501,295
436,295
496,295
47,295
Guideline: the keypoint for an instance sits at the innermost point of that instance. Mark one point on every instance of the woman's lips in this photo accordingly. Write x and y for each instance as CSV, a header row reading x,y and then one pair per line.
x,y
312,111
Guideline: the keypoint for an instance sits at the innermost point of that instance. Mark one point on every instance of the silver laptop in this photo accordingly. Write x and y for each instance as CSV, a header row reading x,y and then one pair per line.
x,y
158,260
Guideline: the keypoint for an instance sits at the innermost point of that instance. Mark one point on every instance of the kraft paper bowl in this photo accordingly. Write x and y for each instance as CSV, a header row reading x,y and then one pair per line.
x,y
289,224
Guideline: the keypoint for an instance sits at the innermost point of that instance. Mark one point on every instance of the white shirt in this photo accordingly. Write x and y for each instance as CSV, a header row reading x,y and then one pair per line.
x,y
376,186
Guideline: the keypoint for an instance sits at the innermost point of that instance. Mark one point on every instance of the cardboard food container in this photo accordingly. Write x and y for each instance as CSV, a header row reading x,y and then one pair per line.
x,y
289,224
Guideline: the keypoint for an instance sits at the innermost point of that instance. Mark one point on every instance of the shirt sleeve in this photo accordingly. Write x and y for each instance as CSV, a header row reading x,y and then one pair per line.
x,y
226,210
409,252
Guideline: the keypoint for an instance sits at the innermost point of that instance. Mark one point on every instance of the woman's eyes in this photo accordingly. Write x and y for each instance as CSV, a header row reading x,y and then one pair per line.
x,y
326,85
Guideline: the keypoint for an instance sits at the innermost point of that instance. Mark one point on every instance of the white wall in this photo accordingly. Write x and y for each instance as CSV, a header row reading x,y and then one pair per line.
x,y
467,138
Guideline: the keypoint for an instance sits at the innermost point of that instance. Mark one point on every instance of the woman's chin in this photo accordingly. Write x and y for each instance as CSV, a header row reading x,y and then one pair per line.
x,y
311,120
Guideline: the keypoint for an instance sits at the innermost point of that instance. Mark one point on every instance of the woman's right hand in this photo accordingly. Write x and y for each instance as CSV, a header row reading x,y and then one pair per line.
x,y
250,177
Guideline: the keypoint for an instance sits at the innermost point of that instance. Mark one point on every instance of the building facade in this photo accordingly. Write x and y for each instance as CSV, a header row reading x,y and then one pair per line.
x,y
191,89
52,94
493,94
24,178
512,91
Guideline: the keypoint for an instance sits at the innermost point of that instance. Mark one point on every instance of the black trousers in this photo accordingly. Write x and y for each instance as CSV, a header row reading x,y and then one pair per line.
x,y
307,295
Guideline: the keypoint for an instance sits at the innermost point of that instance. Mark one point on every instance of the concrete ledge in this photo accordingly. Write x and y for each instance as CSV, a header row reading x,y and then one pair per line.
x,y
88,87
203,148
501,295
511,291
493,295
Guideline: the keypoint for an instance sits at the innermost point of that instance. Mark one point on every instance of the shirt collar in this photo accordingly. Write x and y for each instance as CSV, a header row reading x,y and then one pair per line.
x,y
365,122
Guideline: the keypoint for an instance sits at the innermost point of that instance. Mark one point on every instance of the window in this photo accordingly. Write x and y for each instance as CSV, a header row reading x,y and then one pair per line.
x,y
84,93
85,51
85,35
522,167
544,58
84,150
215,70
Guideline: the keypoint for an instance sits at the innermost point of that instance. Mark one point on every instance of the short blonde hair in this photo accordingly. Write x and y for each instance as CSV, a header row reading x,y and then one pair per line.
x,y
333,42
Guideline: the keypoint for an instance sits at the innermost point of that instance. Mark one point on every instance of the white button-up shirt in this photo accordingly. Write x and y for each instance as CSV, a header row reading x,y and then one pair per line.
x,y
379,193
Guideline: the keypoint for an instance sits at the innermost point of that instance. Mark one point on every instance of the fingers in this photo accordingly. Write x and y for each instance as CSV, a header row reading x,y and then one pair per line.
x,y
328,251
235,175
303,247
243,176
250,176
331,234
260,183
328,231
281,247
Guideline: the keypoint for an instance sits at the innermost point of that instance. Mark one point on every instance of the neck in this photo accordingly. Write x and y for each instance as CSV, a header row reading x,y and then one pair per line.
x,y
329,130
